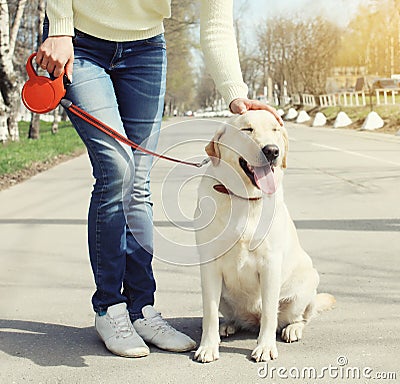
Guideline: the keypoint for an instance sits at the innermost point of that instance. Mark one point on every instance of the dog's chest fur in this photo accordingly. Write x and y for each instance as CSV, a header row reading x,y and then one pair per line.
x,y
240,268
241,288
241,265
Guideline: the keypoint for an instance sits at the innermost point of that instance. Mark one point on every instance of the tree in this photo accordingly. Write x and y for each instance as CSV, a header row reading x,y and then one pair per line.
x,y
206,90
372,39
321,44
207,94
34,126
249,60
300,52
9,81
179,37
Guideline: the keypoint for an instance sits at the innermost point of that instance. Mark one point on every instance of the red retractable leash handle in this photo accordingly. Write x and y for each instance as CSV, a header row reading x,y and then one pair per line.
x,y
41,94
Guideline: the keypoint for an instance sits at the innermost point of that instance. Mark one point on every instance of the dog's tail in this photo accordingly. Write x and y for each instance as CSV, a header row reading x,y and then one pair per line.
x,y
324,302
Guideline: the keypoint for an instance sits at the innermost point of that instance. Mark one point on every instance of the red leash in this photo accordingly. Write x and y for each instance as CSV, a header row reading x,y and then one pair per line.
x,y
41,94
67,104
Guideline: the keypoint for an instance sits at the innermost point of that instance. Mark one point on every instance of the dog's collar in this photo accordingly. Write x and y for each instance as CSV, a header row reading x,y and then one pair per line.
x,y
222,189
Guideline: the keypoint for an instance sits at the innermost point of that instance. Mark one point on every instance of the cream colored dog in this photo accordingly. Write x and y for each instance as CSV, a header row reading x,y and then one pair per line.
x,y
253,269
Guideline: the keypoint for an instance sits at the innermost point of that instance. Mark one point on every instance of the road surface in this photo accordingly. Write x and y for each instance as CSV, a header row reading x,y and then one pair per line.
x,y
342,188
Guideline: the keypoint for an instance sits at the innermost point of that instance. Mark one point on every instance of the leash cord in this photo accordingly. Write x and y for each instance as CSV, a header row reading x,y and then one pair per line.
x,y
67,104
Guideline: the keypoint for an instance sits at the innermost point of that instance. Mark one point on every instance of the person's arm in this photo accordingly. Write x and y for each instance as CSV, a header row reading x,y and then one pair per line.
x,y
56,54
219,46
218,42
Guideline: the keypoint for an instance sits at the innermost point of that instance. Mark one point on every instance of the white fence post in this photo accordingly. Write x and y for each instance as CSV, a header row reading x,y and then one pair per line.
x,y
347,99
308,100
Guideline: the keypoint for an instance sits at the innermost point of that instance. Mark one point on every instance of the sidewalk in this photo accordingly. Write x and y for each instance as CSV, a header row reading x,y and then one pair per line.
x,y
46,319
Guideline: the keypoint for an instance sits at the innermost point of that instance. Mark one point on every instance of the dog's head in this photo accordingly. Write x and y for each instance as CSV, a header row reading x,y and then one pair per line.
x,y
255,145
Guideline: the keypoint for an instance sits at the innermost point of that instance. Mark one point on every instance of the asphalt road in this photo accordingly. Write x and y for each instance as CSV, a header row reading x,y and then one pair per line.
x,y
342,188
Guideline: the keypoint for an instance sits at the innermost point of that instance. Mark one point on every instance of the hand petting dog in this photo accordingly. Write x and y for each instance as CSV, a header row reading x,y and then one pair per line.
x,y
240,106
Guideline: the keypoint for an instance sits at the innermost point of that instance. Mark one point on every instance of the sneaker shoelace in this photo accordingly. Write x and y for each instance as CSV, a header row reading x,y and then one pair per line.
x,y
123,325
159,324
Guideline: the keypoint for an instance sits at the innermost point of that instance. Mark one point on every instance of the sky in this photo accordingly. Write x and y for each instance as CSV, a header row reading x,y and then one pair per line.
x,y
256,11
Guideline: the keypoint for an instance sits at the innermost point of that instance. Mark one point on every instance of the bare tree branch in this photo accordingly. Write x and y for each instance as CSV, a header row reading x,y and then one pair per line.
x,y
16,24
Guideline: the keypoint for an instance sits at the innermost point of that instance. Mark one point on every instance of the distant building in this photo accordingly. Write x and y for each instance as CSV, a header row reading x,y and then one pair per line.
x,y
344,79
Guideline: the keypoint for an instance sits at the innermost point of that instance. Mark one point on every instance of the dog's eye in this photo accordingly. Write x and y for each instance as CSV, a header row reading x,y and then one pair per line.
x,y
276,129
248,129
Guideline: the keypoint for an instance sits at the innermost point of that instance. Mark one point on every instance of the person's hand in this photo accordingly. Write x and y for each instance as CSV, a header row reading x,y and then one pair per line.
x,y
56,54
241,106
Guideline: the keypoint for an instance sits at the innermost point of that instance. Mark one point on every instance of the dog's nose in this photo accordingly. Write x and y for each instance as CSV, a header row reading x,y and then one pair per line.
x,y
271,152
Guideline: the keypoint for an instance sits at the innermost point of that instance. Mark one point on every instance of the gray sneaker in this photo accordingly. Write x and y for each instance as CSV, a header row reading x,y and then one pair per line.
x,y
155,330
119,336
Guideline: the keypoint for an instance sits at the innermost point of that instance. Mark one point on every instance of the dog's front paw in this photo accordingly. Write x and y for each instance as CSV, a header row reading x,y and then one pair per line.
x,y
265,352
207,353
293,332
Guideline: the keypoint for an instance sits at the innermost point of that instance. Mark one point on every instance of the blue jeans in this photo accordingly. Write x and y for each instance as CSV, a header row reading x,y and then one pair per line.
x,y
123,85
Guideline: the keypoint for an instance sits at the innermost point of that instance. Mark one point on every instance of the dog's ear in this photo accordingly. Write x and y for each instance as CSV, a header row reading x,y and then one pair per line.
x,y
212,147
286,142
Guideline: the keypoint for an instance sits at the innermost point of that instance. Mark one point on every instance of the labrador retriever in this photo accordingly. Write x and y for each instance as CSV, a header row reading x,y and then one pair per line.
x,y
253,268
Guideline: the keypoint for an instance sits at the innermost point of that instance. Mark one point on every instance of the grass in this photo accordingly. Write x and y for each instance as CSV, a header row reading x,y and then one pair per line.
x,y
17,156
387,112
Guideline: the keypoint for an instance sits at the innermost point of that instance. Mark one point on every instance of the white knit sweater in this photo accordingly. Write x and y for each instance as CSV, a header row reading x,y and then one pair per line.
x,y
126,20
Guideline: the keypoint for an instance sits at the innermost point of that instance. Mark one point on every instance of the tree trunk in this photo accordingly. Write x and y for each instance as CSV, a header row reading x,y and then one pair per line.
x,y
12,120
56,120
64,115
4,67
8,79
34,127
3,127
16,24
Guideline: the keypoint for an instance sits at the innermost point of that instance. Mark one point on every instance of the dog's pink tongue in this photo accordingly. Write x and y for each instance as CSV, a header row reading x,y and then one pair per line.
x,y
265,180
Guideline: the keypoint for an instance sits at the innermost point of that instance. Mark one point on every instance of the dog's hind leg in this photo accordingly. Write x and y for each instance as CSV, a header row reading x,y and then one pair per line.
x,y
227,327
296,311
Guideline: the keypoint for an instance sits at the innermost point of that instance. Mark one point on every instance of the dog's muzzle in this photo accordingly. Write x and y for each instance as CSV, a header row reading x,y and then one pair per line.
x,y
271,152
262,177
